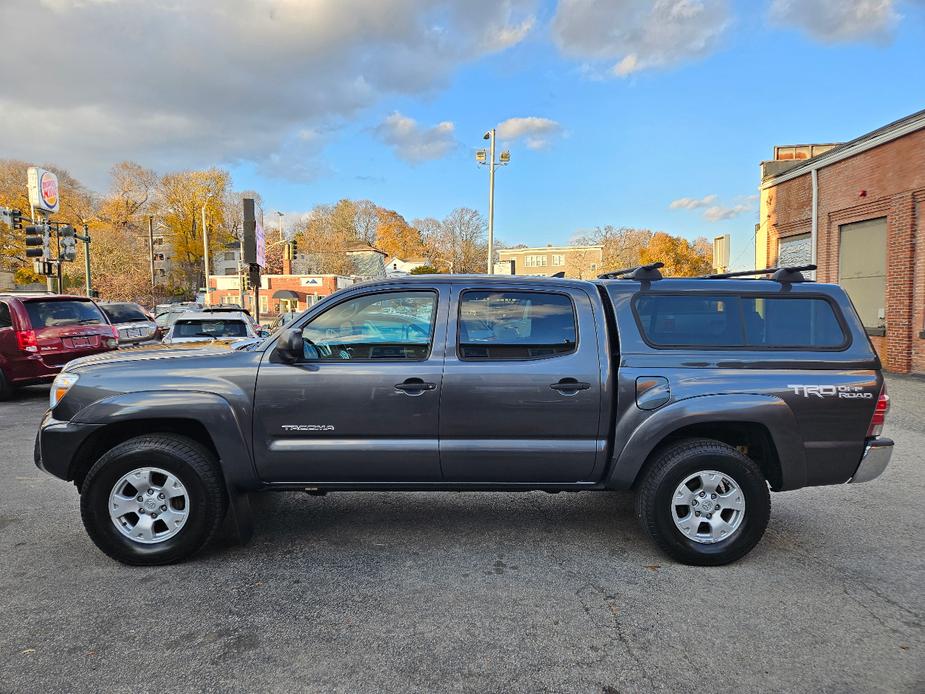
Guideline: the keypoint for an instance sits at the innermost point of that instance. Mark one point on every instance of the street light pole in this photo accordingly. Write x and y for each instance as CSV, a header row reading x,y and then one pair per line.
x,y
151,248
483,157
491,202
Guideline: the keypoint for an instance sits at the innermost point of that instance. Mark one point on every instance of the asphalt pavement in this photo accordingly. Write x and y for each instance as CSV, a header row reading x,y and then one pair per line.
x,y
486,592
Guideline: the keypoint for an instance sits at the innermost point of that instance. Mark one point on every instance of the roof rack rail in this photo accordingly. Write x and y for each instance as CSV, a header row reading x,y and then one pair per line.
x,y
793,273
640,272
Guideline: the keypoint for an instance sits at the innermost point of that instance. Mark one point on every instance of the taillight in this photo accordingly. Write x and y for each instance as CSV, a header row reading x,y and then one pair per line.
x,y
883,406
27,341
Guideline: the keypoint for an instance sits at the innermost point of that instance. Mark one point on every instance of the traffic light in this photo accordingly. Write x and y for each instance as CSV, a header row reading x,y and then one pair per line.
x,y
67,244
245,282
293,248
36,236
16,219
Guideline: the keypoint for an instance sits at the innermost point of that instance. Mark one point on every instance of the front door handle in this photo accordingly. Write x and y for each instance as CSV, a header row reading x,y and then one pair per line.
x,y
570,386
414,386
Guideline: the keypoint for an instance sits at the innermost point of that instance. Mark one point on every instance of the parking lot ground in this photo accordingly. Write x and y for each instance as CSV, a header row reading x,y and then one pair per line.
x,y
470,592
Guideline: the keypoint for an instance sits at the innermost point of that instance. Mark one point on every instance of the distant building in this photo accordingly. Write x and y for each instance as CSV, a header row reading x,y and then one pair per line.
x,y
278,293
582,262
396,267
856,211
368,262
225,261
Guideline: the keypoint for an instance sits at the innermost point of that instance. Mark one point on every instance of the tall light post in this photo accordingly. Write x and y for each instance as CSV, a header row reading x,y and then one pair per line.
x,y
483,158
205,248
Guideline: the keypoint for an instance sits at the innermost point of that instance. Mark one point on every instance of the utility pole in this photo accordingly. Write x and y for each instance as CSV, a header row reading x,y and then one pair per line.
x,y
151,247
86,240
205,252
481,156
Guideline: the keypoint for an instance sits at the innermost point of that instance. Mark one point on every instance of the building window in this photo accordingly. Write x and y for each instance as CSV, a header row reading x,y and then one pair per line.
x,y
263,304
795,250
535,260
558,260
230,256
862,268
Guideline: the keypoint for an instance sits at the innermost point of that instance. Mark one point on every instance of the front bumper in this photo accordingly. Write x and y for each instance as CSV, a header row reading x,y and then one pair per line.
x,y
876,457
57,444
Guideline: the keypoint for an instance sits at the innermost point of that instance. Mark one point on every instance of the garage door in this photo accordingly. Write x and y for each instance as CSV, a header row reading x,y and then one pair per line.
x,y
862,268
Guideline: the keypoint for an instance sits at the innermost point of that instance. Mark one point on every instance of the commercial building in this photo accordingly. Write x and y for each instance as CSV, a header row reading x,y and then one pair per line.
x,y
856,210
582,262
278,293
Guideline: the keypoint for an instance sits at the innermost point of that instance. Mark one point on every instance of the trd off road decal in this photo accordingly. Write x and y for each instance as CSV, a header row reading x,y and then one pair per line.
x,y
847,392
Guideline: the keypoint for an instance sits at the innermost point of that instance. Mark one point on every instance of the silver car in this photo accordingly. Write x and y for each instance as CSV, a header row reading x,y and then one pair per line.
x,y
132,322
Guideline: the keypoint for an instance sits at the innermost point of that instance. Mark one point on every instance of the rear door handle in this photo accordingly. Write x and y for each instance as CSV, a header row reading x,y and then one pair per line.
x,y
570,385
414,386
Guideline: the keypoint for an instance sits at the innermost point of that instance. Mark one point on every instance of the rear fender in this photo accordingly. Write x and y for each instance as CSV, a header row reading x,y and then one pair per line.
x,y
766,410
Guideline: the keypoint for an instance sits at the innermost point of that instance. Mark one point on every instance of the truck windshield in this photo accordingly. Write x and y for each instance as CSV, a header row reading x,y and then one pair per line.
x,y
124,313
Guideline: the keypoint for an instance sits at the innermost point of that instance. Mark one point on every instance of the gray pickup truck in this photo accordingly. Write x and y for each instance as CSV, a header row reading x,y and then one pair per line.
x,y
699,394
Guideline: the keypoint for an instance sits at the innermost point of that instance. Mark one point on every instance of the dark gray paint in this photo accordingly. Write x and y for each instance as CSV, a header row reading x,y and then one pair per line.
x,y
485,425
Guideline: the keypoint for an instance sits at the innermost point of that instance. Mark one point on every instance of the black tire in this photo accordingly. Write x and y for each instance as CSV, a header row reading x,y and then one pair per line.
x,y
196,468
669,469
6,389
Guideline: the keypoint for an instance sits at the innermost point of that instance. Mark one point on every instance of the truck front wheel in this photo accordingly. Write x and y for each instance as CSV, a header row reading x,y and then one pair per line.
x,y
703,502
154,499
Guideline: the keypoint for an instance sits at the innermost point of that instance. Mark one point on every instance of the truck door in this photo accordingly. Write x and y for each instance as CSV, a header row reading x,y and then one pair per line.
x,y
521,395
362,406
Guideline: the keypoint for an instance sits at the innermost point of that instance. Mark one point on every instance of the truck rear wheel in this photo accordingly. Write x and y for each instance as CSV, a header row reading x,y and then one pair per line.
x,y
154,499
703,502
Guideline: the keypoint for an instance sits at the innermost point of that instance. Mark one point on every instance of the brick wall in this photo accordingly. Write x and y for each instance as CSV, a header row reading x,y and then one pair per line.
x,y
887,181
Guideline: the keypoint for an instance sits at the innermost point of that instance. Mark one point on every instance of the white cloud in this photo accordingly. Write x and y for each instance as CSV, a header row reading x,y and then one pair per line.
x,y
837,20
713,211
414,143
536,132
692,203
634,35
718,213
188,83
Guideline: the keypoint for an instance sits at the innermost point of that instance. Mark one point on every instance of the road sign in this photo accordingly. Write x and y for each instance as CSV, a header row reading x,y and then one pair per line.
x,y
43,190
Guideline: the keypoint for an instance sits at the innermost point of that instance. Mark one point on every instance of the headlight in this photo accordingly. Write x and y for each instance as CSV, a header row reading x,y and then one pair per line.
x,y
59,388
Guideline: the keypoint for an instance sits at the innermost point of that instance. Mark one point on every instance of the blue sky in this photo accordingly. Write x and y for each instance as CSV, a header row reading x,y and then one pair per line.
x,y
629,146
624,106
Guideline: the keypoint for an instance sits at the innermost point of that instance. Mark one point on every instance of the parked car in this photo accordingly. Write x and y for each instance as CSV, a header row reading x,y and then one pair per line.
x,y
40,333
132,322
699,394
199,326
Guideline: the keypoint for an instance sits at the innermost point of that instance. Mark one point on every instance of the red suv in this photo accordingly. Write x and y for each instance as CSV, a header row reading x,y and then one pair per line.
x,y
40,333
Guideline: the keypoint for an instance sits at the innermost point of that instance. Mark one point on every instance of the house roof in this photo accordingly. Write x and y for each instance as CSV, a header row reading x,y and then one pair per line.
x,y
363,247
882,135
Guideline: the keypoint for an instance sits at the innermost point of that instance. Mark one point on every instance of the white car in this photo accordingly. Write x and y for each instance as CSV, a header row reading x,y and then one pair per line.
x,y
202,326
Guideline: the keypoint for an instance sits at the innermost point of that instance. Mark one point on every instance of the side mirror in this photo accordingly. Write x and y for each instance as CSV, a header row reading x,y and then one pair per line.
x,y
291,346
263,333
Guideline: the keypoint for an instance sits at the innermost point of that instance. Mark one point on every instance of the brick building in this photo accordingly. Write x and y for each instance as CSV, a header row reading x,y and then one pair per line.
x,y
278,293
856,211
582,262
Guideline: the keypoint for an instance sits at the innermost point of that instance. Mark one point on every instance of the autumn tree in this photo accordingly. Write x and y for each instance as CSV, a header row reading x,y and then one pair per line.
x,y
621,246
398,238
181,197
77,205
456,243
682,258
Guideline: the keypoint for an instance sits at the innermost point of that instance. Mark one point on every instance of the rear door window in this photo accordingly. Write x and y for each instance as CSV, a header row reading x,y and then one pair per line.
x,y
6,320
56,314
743,322
516,325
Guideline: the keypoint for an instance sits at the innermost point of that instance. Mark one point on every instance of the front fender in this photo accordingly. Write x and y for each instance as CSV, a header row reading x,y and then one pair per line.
x,y
767,410
214,412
